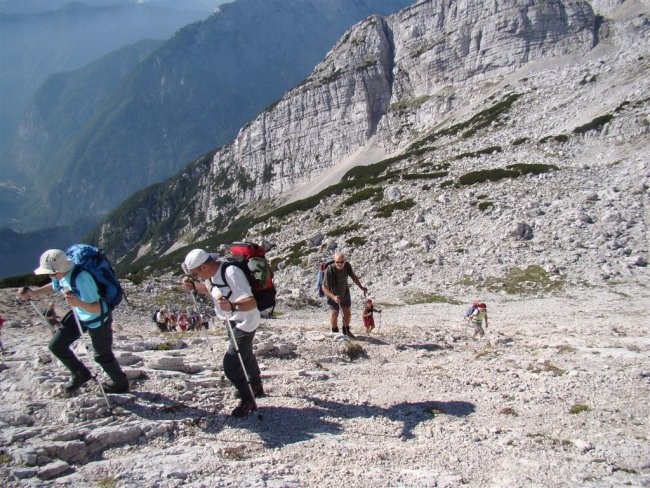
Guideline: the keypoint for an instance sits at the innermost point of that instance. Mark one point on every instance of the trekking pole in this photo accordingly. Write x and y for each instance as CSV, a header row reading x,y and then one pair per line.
x,y
89,349
40,314
233,342
198,325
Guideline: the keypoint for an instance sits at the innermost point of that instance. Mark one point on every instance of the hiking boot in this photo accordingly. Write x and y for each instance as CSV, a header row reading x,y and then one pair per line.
x,y
258,391
346,332
119,387
335,330
78,379
243,409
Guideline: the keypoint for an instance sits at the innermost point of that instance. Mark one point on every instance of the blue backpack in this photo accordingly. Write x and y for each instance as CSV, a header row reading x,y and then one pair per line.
x,y
320,277
95,262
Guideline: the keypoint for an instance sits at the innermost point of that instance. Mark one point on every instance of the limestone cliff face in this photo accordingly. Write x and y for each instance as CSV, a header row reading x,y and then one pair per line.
x,y
388,78
391,78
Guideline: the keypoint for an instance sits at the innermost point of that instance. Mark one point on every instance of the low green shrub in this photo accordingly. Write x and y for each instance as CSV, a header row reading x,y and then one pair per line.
x,y
271,229
356,241
425,176
509,411
579,408
446,184
343,229
510,171
416,298
375,193
531,280
387,210
481,176
354,351
480,120
480,152
483,206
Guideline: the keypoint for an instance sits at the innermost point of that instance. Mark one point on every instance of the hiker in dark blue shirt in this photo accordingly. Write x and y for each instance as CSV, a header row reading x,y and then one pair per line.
x,y
94,317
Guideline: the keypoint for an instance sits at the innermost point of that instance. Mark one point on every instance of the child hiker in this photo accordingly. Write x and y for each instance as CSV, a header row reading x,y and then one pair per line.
x,y
367,314
477,317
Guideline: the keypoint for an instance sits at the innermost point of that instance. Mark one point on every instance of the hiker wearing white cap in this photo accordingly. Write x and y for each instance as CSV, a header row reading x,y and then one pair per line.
x,y
90,310
233,301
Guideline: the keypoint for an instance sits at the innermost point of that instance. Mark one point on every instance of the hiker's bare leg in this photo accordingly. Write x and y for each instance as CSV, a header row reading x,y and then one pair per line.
x,y
334,317
347,314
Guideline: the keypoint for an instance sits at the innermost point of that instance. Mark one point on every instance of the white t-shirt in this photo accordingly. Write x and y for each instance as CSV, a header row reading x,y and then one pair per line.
x,y
238,288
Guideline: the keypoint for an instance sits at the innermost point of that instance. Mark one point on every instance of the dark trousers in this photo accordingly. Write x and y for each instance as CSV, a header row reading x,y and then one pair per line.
x,y
102,341
232,367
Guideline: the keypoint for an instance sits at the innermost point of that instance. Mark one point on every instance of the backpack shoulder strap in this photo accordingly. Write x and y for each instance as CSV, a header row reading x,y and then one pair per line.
x,y
73,280
224,283
329,271
105,309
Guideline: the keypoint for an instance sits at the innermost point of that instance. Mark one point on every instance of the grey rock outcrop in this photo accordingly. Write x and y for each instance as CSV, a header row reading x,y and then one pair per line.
x,y
420,53
389,79
481,117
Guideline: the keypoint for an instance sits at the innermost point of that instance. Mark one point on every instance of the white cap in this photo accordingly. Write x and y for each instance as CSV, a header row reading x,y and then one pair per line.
x,y
54,261
194,259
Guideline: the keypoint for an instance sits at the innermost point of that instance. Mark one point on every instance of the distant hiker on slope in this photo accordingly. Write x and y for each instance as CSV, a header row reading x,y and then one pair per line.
x,y
171,321
93,313
233,301
470,310
161,320
2,323
335,286
477,317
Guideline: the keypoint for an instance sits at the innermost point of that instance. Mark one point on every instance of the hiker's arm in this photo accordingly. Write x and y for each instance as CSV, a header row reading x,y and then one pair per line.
x,y
27,293
243,305
329,294
358,283
74,301
191,286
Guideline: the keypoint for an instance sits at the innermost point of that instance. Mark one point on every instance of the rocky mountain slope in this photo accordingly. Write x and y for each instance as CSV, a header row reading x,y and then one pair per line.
x,y
532,196
496,146
554,395
190,96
